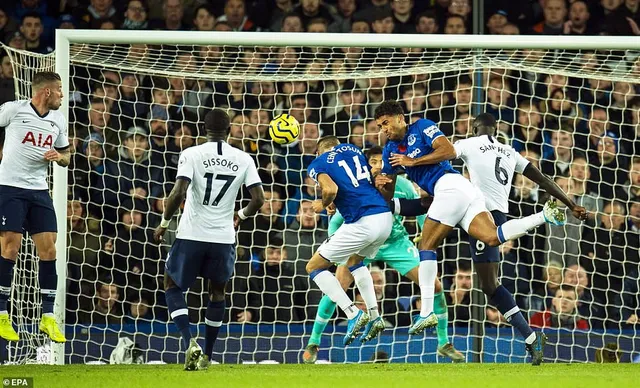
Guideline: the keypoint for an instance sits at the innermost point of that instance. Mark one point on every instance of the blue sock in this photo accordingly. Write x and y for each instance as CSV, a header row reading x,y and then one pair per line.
x,y
48,278
213,320
179,313
505,303
6,277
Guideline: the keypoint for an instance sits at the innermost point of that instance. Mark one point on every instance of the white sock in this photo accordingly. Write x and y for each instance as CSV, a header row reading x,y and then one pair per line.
x,y
427,273
329,285
530,339
364,282
517,228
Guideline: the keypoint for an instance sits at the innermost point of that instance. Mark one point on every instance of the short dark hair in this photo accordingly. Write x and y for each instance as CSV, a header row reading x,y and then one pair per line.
x,y
486,121
388,108
375,150
429,14
328,139
567,287
31,14
217,122
44,77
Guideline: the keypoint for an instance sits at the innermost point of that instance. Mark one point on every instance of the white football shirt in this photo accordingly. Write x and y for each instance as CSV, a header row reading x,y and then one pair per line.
x,y
28,136
491,165
216,171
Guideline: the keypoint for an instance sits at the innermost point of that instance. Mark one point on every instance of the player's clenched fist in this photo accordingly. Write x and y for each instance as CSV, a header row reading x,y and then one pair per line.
x,y
381,180
317,206
580,213
158,234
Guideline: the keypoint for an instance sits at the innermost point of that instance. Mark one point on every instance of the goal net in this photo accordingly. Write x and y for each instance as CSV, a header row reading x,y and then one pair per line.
x,y
134,107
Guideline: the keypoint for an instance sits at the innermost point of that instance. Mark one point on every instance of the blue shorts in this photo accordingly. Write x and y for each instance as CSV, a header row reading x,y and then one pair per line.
x,y
480,252
26,210
189,259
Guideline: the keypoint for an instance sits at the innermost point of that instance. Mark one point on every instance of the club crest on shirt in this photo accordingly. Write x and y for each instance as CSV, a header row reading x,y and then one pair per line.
x,y
411,140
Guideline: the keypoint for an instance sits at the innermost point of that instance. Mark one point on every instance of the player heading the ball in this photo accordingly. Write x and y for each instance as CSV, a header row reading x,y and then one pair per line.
x,y
209,176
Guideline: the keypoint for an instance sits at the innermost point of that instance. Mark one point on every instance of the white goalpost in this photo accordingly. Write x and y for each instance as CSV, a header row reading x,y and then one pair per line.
x,y
117,80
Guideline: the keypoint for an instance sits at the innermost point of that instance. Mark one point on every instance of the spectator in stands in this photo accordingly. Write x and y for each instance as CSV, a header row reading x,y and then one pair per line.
x,y
563,312
382,22
97,12
173,13
304,235
84,246
414,100
99,122
135,258
317,25
104,307
107,25
402,17
282,8
7,86
360,26
131,101
292,23
357,137
254,233
275,293
127,178
204,18
624,20
497,22
559,163
344,18
578,23
427,23
610,170
631,191
532,156
86,169
235,16
307,191
296,160
135,16
462,127
463,95
32,30
8,25
300,110
555,13
140,308
598,125
500,102
455,24
552,280
581,189
352,102
622,94
459,295
630,308
17,41
526,131
368,9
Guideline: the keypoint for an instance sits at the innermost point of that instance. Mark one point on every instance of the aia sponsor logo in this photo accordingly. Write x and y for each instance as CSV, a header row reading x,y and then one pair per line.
x,y
38,141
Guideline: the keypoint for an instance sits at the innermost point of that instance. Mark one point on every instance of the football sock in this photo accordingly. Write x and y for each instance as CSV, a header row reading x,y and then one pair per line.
x,y
364,282
440,309
331,287
427,273
6,277
407,207
505,303
179,313
48,285
213,320
326,309
517,228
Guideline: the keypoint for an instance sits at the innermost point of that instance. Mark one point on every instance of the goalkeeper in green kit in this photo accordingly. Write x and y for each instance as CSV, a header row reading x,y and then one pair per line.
x,y
399,253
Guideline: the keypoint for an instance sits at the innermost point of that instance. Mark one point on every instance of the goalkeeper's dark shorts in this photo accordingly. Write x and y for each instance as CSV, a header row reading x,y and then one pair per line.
x,y
26,210
480,252
188,260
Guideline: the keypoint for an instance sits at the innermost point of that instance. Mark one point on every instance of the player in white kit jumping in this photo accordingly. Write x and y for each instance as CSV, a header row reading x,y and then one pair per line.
x,y
35,136
210,176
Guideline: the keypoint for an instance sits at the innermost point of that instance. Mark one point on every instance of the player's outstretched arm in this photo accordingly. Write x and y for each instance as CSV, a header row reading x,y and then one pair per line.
x,y
256,202
329,191
442,150
554,190
171,205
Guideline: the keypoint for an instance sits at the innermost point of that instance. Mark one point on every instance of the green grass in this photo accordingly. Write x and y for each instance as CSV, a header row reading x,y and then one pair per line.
x,y
333,376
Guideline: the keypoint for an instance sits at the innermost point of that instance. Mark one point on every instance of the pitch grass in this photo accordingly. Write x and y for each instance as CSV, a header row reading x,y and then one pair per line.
x,y
332,376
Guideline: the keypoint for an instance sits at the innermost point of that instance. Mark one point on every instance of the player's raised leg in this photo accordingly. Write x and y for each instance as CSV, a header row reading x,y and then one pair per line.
x,y
326,309
330,286
47,276
10,244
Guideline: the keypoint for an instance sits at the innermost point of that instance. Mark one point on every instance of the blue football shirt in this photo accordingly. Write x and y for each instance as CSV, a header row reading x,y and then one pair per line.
x,y
417,142
347,167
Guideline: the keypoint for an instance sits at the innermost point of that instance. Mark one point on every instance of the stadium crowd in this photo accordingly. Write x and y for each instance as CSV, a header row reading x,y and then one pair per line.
x,y
127,130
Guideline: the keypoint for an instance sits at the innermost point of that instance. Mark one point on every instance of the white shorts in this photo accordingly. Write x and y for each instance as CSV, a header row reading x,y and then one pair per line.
x,y
456,201
363,237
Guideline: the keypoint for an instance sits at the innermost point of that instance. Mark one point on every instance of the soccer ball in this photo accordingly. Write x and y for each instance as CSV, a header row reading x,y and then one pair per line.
x,y
284,129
